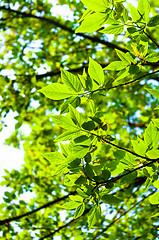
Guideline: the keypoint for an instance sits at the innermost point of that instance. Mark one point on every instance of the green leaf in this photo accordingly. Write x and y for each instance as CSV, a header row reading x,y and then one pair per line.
x,y
139,147
74,101
144,9
156,184
154,92
113,29
95,71
75,115
154,199
79,211
57,91
153,57
110,199
82,193
68,135
122,74
106,174
65,122
154,21
64,149
155,215
83,139
60,169
76,198
89,171
71,205
116,65
123,56
156,122
81,180
94,215
90,125
55,157
134,13
92,23
104,127
79,151
150,134
71,80
128,160
86,13
153,153
97,6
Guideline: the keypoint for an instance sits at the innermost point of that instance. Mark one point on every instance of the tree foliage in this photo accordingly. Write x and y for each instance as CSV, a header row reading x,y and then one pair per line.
x,y
91,159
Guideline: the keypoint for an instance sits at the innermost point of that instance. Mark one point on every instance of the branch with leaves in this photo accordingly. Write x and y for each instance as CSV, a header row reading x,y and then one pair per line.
x,y
8,220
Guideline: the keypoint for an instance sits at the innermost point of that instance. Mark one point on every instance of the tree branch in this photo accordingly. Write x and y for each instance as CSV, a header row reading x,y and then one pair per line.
x,y
148,35
123,214
65,28
8,220
63,226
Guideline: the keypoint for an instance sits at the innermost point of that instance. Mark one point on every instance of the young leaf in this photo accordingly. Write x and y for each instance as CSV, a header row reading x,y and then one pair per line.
x,y
68,135
156,184
94,215
134,13
153,153
153,57
55,157
95,71
71,80
117,65
144,9
79,211
86,13
75,115
154,92
79,151
154,21
60,169
96,6
113,29
123,56
154,199
64,122
81,193
139,147
71,205
64,149
92,23
74,101
76,198
156,122
151,133
57,91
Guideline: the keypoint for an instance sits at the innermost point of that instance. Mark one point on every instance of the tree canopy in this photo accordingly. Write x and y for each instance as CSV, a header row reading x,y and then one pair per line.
x,y
86,83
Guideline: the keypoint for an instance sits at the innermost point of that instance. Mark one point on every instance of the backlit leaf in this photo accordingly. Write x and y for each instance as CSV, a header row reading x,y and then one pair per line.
x,y
94,215
92,23
57,91
97,6
79,211
71,80
95,71
154,199
113,29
